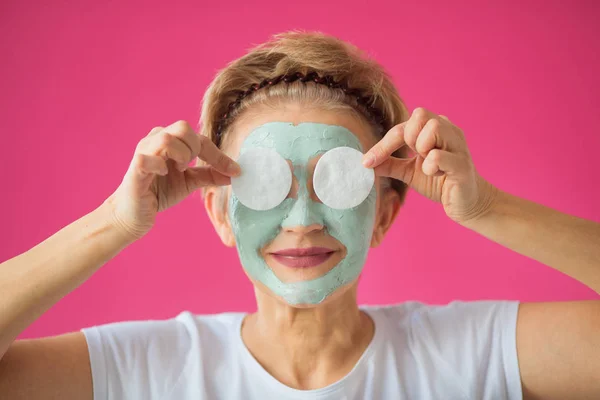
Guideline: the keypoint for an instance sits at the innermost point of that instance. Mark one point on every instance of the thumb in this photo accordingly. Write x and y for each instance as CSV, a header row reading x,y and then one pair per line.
x,y
398,168
197,177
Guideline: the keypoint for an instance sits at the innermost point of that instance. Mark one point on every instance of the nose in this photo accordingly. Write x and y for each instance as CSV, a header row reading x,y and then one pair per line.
x,y
304,216
304,230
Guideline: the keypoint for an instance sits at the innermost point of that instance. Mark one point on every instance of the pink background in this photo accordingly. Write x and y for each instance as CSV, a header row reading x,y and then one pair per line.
x,y
83,82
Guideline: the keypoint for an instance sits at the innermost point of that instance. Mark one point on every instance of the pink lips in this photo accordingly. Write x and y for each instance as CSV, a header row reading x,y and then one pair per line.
x,y
303,258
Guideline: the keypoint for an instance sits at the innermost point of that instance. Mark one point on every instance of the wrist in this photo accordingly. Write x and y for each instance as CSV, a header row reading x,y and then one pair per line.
x,y
108,211
487,206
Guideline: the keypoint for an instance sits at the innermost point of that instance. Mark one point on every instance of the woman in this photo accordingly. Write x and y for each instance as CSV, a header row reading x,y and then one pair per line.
x,y
297,99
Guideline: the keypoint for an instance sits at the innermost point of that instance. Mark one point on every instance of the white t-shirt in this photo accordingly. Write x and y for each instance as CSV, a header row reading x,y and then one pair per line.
x,y
462,350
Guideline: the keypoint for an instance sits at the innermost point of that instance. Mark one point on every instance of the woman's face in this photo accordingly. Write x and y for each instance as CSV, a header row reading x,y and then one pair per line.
x,y
302,250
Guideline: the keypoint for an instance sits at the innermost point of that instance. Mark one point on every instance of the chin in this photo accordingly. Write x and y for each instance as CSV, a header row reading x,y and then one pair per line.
x,y
348,290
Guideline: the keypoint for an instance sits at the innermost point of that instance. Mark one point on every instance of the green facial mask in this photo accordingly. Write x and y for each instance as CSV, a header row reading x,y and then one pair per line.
x,y
255,229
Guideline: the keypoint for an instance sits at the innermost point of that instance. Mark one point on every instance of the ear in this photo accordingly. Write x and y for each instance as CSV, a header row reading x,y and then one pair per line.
x,y
215,201
388,209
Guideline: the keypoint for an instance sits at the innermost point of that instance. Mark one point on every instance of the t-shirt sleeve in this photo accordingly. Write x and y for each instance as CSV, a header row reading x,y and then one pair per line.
x,y
136,359
476,343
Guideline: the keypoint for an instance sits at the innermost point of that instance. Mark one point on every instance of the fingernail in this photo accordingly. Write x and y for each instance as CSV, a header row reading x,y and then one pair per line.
x,y
234,169
368,160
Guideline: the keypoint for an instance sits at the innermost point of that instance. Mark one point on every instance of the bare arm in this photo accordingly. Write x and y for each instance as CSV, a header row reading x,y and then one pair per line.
x,y
34,281
564,242
52,368
158,177
558,343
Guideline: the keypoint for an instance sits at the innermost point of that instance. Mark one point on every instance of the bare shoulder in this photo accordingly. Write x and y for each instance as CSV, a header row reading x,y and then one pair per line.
x,y
55,367
558,347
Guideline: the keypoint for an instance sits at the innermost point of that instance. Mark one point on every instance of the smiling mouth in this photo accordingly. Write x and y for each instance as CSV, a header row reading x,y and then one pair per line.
x,y
303,258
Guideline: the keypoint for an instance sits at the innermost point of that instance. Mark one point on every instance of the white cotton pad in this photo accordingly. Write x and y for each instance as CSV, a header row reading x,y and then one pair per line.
x,y
340,180
265,180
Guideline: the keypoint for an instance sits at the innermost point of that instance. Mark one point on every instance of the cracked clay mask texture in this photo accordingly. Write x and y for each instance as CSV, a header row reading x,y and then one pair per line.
x,y
254,229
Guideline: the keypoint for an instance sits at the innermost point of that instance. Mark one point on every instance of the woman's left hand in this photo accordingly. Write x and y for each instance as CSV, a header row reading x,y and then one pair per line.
x,y
442,168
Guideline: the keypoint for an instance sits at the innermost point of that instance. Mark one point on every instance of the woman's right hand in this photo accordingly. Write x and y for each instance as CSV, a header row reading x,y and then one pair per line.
x,y
159,177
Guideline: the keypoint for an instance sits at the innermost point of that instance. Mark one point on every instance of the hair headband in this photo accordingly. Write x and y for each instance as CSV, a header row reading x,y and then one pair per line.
x,y
365,101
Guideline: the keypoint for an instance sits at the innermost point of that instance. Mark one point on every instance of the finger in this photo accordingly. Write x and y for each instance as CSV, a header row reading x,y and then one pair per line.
x,y
167,146
429,138
392,141
183,131
444,162
437,132
197,177
147,164
397,168
210,153
202,147
415,124
155,131
142,170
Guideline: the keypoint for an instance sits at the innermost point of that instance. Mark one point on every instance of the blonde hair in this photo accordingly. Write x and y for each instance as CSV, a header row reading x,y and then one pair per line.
x,y
303,53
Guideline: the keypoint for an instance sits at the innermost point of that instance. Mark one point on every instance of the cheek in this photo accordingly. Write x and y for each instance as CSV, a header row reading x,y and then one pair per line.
x,y
353,227
255,229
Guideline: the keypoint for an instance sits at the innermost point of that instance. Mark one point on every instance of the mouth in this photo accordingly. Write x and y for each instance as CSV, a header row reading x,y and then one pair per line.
x,y
303,257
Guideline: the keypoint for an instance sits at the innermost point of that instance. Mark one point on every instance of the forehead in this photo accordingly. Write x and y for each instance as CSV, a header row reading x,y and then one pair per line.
x,y
300,143
309,128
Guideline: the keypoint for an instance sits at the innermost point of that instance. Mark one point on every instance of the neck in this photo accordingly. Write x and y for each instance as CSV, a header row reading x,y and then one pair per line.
x,y
309,347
